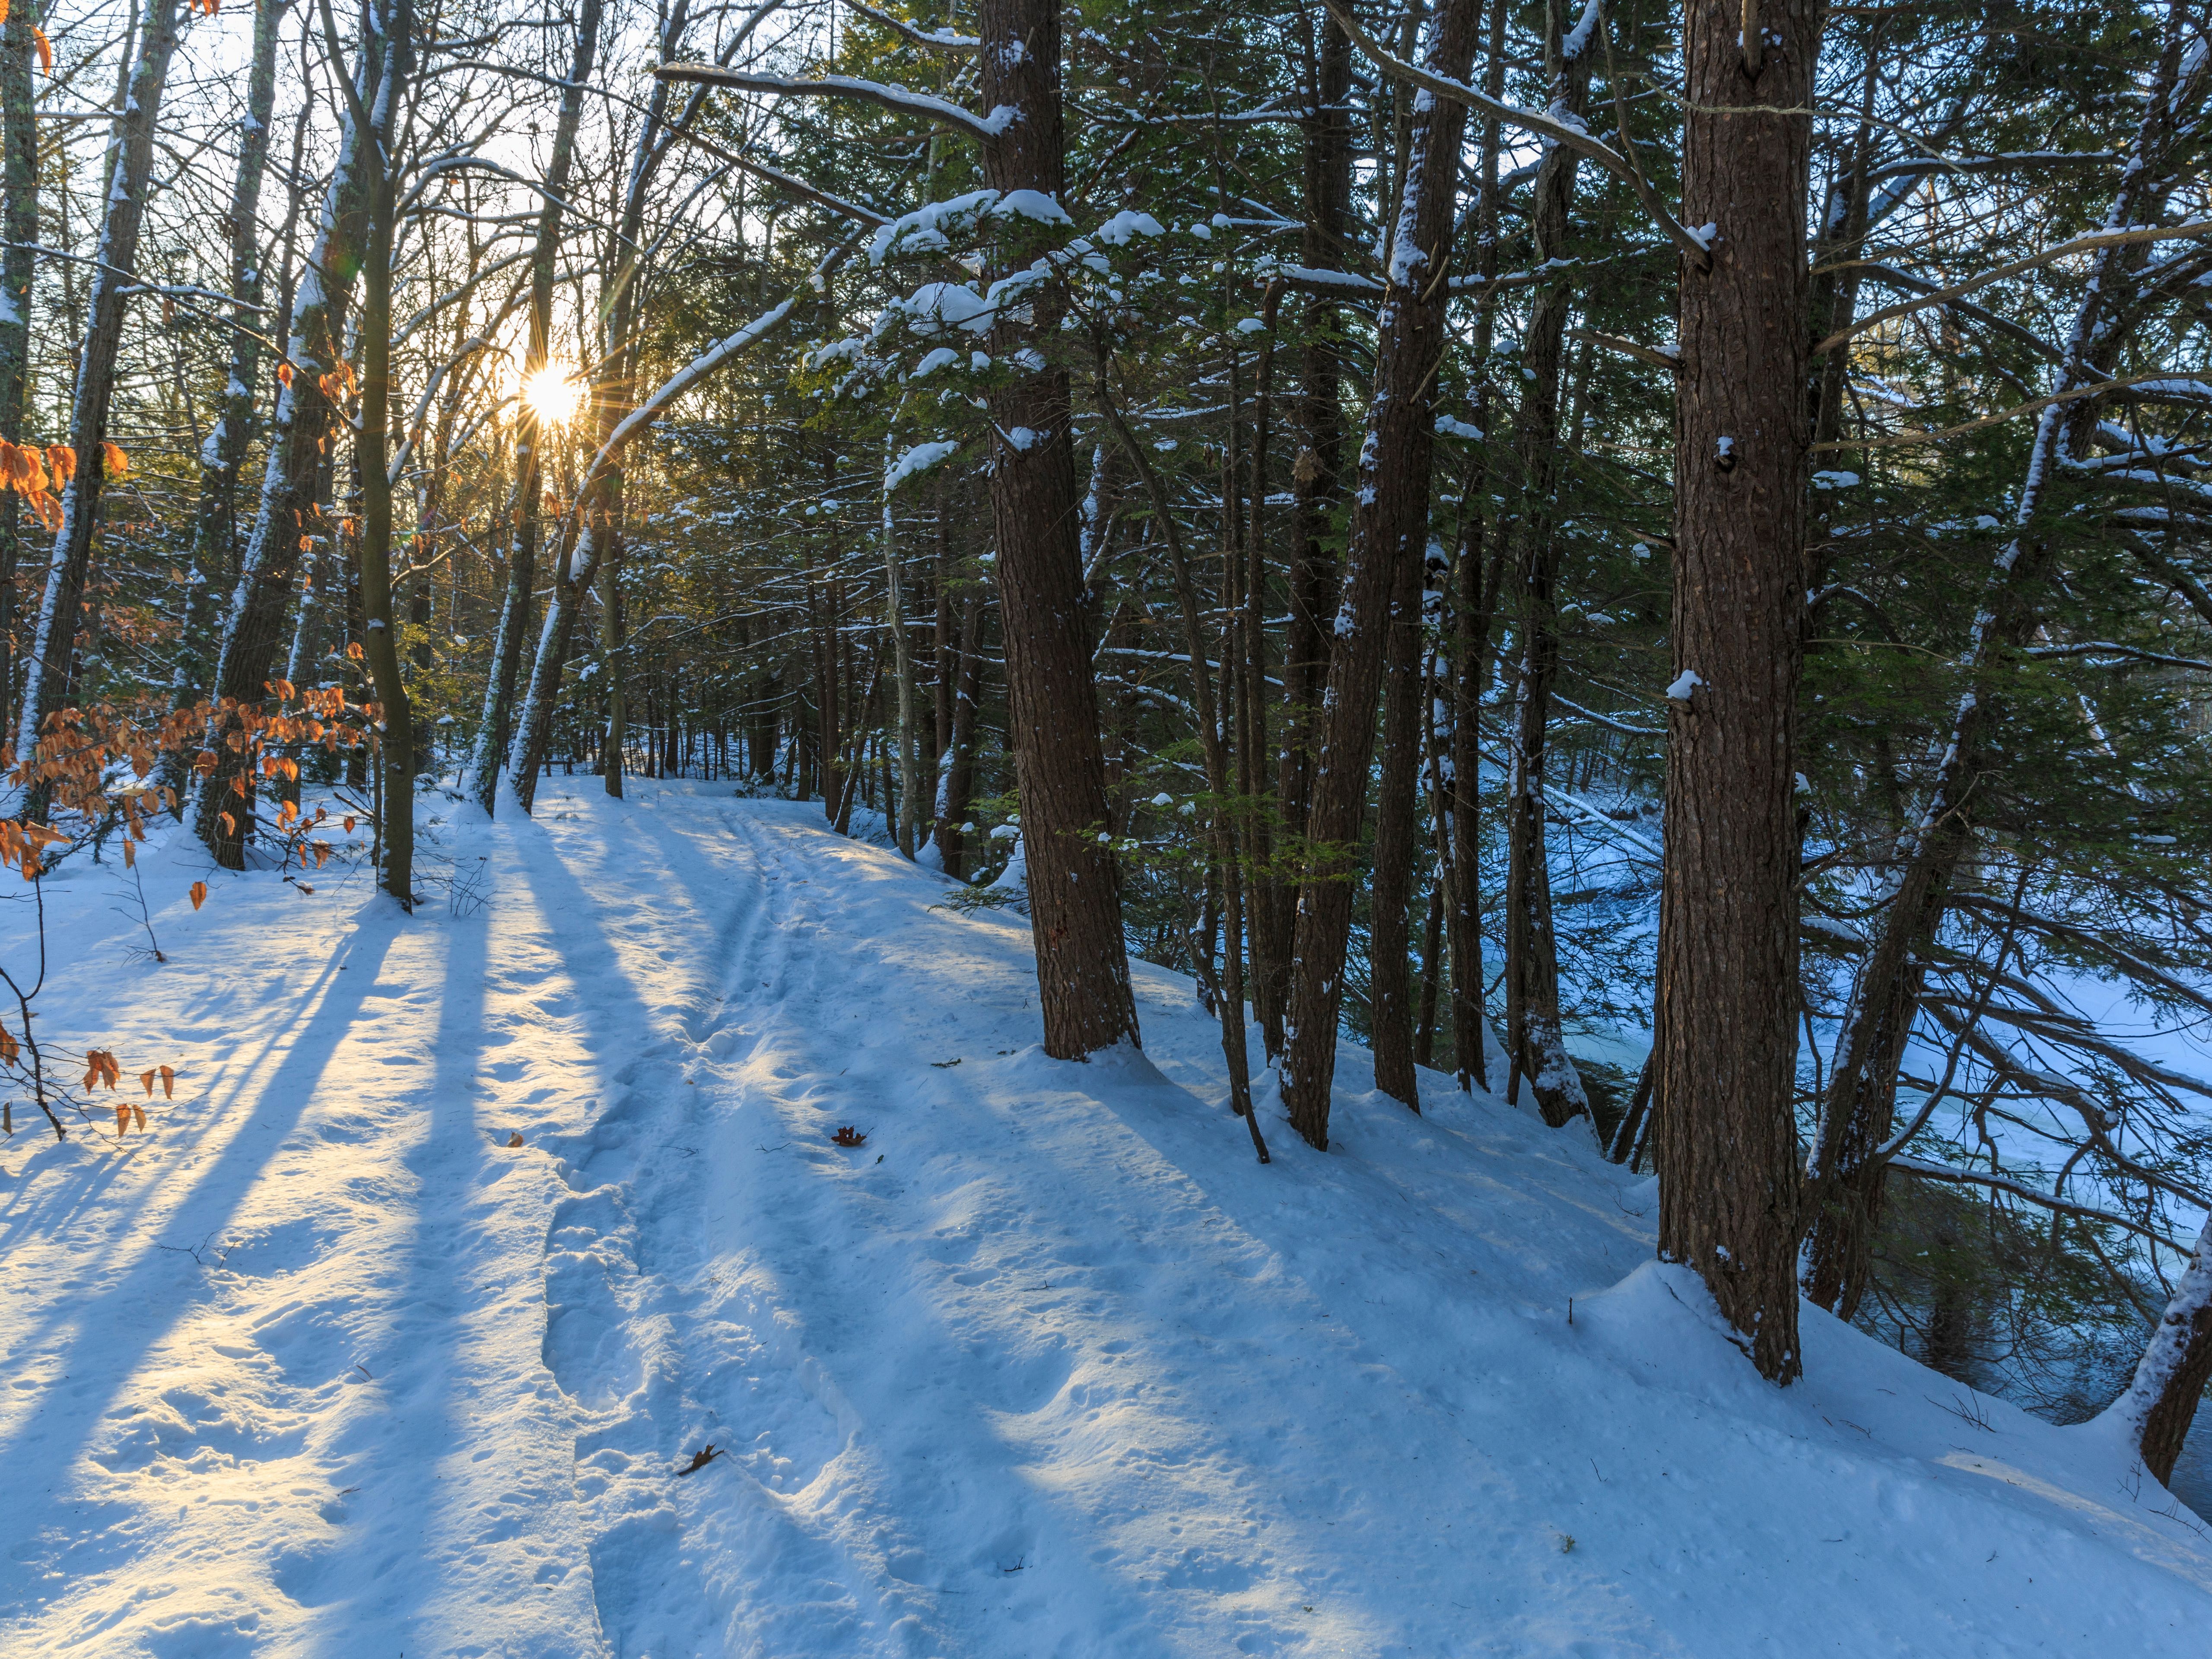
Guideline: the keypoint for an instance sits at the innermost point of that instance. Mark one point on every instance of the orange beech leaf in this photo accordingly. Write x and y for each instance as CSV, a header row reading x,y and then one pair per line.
x,y
45,48
199,889
8,1046
283,374
204,763
322,850
353,650
129,854
138,1115
348,823
147,1078
229,828
113,461
122,1121
3,11
168,1082
61,461
238,786
292,771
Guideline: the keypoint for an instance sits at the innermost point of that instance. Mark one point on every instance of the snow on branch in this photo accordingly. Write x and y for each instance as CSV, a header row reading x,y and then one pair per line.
x,y
935,40
1529,120
895,99
699,368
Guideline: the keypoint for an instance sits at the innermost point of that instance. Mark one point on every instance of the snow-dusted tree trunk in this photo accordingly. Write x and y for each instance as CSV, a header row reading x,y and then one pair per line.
x,y
18,223
494,726
1316,474
1083,964
1472,601
2160,1403
1534,1036
215,516
1860,1102
1389,532
289,516
396,740
1727,1000
51,671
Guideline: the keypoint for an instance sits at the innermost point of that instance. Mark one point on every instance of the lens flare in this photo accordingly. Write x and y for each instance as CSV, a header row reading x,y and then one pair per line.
x,y
552,396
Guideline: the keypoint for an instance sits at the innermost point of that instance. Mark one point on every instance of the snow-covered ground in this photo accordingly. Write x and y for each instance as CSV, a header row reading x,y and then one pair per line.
x,y
1049,1366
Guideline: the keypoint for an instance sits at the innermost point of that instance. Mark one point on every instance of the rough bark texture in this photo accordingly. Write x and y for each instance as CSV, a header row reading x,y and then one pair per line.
x,y
960,769
1474,596
50,681
1389,533
1397,839
1532,962
290,513
493,726
1316,475
1083,968
396,739
1726,1035
18,223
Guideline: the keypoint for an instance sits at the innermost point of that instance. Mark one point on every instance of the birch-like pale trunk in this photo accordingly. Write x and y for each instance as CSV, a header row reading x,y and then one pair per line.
x,y
494,724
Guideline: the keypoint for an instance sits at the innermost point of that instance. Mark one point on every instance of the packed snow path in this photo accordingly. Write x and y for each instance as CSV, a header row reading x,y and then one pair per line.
x,y
1049,1367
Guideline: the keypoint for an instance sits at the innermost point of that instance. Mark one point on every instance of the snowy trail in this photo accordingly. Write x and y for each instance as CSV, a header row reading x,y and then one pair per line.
x,y
1050,1367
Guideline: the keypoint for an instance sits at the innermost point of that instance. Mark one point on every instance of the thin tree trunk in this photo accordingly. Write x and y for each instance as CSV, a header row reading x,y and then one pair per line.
x,y
1397,838
49,682
1532,965
493,726
1726,1037
1082,966
396,747
1389,532
1473,597
290,514
1315,481
18,223
610,678
910,739
960,769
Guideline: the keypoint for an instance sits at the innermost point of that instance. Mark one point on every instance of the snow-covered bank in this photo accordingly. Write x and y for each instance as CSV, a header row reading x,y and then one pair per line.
x,y
1048,1366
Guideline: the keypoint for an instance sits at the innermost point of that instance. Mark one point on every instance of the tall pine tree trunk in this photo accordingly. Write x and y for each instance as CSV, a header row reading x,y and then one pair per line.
x,y
1726,1027
1389,535
1472,597
1315,485
1082,966
1532,966
380,643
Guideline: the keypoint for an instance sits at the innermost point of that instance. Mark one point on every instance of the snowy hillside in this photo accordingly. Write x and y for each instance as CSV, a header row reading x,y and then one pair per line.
x,y
1048,1366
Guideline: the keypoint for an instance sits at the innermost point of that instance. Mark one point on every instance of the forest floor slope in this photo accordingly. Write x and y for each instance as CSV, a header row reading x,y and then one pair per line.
x,y
1050,1366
